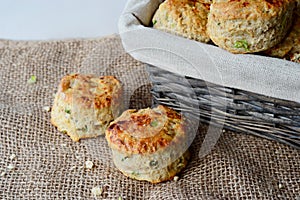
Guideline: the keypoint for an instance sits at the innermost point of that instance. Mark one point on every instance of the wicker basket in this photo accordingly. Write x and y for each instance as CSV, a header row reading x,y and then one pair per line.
x,y
236,110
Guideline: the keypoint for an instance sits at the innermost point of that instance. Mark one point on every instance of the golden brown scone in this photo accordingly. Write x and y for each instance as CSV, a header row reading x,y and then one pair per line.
x,y
149,144
290,46
206,1
85,105
186,18
246,26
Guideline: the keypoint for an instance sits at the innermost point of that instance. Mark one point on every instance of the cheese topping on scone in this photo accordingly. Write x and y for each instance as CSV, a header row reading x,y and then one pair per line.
x,y
146,131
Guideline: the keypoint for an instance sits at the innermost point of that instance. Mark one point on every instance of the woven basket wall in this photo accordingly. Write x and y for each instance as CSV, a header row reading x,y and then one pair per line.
x,y
234,109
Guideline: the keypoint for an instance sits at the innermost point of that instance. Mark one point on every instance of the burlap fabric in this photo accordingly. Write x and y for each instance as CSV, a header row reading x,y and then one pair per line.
x,y
48,165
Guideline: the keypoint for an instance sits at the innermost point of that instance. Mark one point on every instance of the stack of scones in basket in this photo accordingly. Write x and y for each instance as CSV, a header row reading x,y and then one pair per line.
x,y
269,28
148,144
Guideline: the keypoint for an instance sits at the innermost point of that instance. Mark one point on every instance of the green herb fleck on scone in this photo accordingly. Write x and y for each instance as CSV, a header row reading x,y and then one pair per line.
x,y
154,22
68,111
154,123
242,44
134,173
125,158
153,163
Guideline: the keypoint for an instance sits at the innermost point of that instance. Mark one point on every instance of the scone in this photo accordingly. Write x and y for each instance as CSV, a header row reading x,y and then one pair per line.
x,y
85,105
290,46
149,144
186,18
243,26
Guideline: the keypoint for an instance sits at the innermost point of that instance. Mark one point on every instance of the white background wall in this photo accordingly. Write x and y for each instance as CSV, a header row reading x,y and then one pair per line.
x,y
58,19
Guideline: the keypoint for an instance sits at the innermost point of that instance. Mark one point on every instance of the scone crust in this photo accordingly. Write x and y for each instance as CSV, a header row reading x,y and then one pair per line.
x,y
186,18
243,26
206,1
294,53
290,46
84,105
88,90
154,129
161,174
149,144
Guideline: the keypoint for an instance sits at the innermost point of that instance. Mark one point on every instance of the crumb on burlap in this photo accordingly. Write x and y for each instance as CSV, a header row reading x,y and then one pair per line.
x,y
12,156
11,167
47,108
89,164
176,178
97,191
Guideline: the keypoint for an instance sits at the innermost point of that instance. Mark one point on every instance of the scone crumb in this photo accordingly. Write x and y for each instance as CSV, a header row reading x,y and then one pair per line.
x,y
120,198
12,156
81,167
176,178
72,168
2,174
46,108
77,157
280,186
11,167
89,164
97,191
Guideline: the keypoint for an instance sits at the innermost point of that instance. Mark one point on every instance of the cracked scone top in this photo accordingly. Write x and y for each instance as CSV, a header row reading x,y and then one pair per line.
x,y
149,144
84,105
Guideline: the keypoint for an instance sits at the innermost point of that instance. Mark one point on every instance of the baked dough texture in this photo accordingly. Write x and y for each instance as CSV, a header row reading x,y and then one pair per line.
x,y
248,26
206,1
149,144
84,105
186,18
289,48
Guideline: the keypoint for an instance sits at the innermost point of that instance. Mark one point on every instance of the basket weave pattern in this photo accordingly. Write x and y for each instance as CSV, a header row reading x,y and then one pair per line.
x,y
237,110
